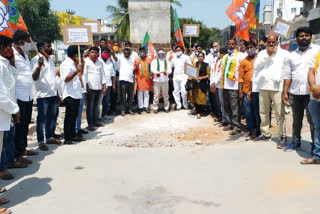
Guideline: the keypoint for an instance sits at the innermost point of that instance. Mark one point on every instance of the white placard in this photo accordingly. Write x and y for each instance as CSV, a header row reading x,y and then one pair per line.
x,y
191,30
94,26
78,35
191,71
282,28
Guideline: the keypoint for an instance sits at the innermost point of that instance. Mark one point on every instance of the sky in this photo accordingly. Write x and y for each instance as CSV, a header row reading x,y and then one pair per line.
x,y
211,12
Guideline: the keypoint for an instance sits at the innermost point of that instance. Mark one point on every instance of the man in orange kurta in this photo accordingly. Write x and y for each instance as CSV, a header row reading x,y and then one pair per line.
x,y
144,78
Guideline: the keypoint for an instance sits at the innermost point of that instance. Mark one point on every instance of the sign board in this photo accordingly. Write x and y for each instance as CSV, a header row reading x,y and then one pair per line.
x,y
191,30
77,35
191,71
95,26
282,28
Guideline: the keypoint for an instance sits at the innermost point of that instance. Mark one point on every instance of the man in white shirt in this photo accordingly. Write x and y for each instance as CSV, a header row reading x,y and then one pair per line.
x,y
71,92
24,83
161,69
96,87
9,109
270,66
125,66
296,85
109,67
170,57
180,78
229,83
44,76
314,108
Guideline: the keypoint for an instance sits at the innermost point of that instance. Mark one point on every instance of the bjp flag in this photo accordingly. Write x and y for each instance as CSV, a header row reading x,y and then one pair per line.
x,y
177,30
147,44
10,18
242,13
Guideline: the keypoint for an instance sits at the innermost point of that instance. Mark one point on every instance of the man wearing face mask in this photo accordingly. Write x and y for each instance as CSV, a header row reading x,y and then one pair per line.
x,y
295,91
44,77
144,80
270,67
24,82
229,83
161,69
245,75
180,78
109,67
118,54
213,59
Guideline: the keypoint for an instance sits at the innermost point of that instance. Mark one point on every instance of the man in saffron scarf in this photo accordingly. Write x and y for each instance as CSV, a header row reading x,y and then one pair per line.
x,y
229,83
142,66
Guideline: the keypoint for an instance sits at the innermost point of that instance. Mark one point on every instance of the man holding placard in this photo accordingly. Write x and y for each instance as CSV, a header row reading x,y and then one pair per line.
x,y
180,78
96,87
72,92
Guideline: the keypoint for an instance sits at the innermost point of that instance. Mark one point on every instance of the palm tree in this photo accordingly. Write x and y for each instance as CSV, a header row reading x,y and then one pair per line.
x,y
120,17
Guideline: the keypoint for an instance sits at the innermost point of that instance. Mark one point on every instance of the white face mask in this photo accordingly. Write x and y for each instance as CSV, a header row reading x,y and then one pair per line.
x,y
26,47
179,53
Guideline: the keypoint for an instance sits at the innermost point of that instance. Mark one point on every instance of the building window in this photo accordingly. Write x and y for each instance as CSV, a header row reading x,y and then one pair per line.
x,y
301,10
293,10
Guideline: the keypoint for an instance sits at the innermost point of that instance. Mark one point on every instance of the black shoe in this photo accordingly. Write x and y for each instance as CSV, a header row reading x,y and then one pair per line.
x,y
123,113
155,111
81,131
139,111
68,142
78,139
131,112
167,111
79,135
148,110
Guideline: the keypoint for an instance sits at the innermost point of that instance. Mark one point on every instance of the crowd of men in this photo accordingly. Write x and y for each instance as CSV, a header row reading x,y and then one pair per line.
x,y
232,80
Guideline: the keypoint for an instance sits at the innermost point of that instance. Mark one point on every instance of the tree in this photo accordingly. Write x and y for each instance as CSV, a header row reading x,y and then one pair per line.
x,y
41,23
206,36
120,17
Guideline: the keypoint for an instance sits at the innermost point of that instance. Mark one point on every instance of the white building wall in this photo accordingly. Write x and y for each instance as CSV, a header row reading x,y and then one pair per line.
x,y
152,16
287,8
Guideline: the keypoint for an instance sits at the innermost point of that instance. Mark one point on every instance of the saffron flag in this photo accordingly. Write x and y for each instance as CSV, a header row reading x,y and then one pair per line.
x,y
177,30
10,18
147,44
243,14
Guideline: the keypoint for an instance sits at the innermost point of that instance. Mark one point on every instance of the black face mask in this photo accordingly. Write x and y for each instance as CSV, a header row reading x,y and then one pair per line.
x,y
304,43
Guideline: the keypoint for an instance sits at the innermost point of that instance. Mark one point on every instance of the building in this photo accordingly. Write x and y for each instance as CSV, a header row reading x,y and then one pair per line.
x,y
267,15
153,17
286,9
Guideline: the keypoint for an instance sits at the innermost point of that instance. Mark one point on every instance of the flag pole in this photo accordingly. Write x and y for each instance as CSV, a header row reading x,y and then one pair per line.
x,y
258,35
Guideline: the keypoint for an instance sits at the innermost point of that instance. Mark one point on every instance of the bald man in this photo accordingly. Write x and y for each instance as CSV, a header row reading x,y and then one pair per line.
x,y
270,66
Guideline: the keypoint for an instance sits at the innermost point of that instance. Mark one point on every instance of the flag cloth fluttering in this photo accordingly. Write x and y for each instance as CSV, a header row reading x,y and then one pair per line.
x,y
147,44
10,18
244,14
177,30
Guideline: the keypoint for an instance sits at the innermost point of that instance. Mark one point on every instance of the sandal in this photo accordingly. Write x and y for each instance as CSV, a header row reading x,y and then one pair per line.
x,y
30,153
23,160
261,137
5,175
310,161
2,190
54,141
5,211
3,201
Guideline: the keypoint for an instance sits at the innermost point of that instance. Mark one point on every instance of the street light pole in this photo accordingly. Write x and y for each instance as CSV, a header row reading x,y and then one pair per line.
x,y
71,13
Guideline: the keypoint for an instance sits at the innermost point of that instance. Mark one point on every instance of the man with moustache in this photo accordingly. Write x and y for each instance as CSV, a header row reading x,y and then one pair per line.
x,y
295,91
44,77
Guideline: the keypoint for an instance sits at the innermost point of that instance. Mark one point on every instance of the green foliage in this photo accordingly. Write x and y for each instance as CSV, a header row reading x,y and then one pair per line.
x,y
40,22
120,19
206,37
